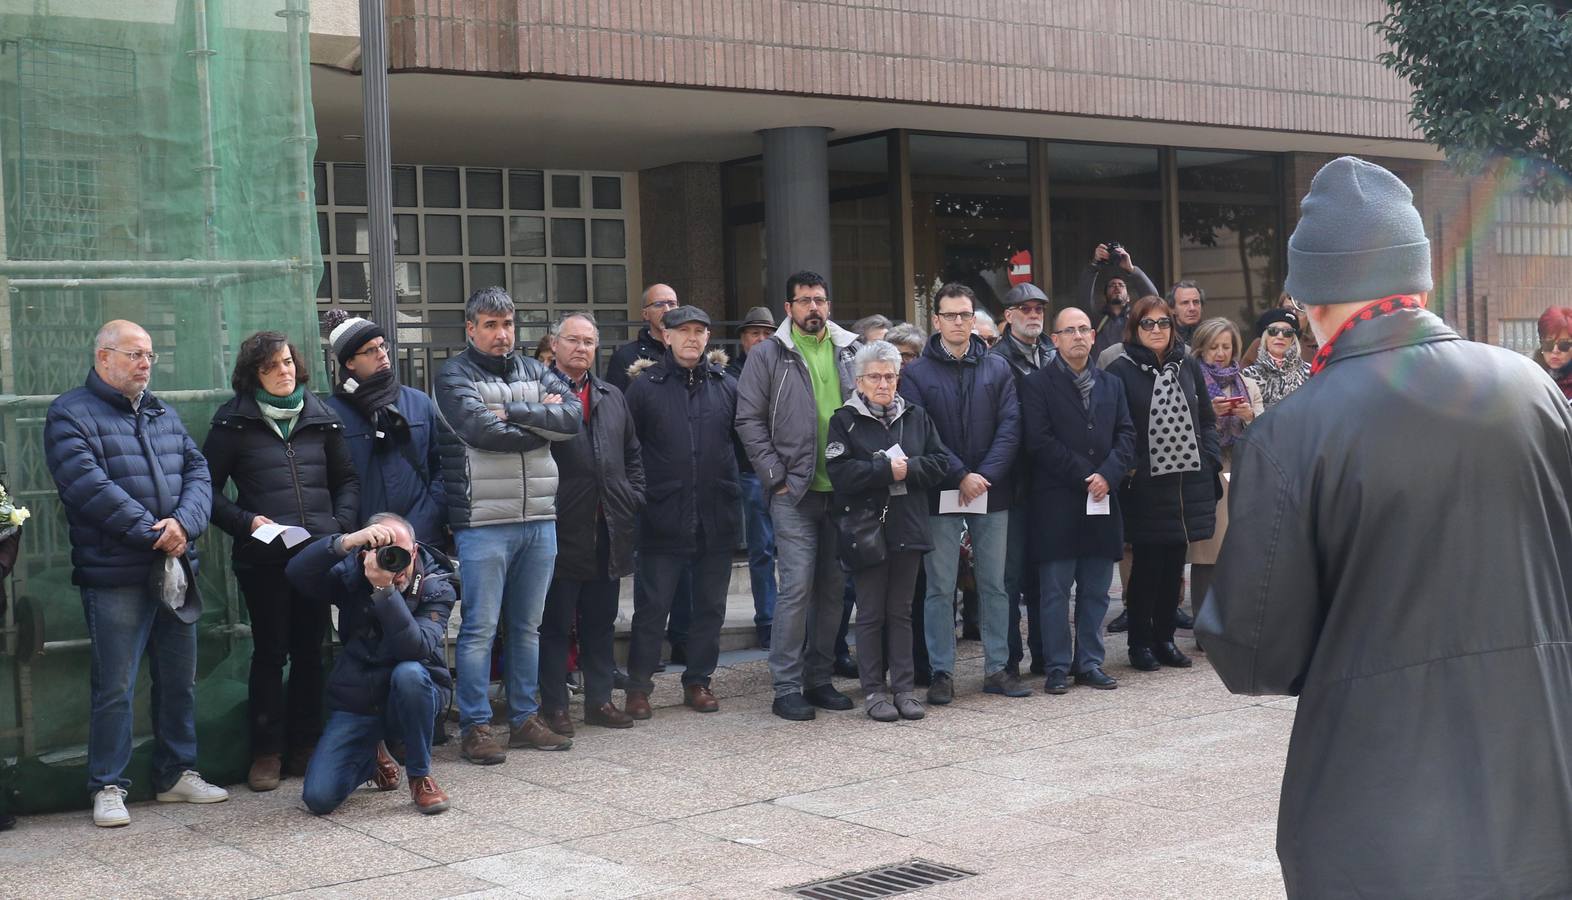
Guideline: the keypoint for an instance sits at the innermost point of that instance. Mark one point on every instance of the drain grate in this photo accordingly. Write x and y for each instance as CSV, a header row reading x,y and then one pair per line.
x,y
885,881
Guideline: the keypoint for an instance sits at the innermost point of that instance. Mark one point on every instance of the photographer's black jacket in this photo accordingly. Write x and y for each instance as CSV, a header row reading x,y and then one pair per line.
x,y
380,628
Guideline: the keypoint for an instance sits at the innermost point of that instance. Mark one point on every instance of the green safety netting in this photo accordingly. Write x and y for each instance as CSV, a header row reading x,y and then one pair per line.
x,y
155,165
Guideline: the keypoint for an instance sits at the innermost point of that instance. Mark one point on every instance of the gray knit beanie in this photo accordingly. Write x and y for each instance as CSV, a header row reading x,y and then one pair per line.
x,y
1359,237
349,333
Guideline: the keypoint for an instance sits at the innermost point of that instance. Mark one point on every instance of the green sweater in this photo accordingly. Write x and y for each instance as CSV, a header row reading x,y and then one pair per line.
x,y
819,353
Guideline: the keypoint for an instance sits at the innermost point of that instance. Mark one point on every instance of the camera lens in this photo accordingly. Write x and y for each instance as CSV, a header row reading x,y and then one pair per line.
x,y
392,558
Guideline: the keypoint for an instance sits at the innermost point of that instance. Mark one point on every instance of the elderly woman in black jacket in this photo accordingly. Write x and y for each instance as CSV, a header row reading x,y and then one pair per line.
x,y
883,455
1170,500
286,452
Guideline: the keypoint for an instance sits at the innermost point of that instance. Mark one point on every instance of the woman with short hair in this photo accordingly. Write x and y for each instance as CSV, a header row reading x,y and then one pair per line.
x,y
1555,346
285,451
883,455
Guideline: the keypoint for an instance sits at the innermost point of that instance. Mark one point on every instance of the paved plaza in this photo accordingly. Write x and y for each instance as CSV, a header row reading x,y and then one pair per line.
x,y
1166,787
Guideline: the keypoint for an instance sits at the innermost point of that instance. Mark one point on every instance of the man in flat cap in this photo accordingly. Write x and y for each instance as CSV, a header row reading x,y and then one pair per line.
x,y
1399,557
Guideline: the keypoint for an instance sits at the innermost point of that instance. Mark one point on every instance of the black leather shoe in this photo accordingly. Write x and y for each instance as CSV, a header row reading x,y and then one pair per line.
x,y
1120,624
846,667
793,707
1183,620
1057,683
1170,655
1142,658
1096,678
825,696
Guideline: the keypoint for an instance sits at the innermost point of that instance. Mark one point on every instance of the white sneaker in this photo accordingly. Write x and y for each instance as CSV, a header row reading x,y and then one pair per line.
x,y
192,789
109,807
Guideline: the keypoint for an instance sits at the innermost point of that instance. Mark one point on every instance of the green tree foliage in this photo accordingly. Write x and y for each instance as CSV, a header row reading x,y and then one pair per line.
x,y
1491,79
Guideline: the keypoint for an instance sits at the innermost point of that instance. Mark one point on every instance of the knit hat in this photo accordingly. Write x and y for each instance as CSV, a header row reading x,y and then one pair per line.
x,y
1359,237
348,334
1274,316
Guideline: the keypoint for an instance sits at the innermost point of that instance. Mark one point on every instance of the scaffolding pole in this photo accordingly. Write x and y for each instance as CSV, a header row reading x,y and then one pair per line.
x,y
69,268
379,168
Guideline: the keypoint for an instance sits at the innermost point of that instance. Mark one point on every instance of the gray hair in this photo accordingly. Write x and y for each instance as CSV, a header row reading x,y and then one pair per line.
x,y
906,335
382,518
557,328
876,352
868,323
492,301
982,315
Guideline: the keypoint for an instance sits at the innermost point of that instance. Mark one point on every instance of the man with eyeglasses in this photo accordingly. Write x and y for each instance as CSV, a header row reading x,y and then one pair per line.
x,y
1021,345
793,383
969,394
391,429
651,342
136,493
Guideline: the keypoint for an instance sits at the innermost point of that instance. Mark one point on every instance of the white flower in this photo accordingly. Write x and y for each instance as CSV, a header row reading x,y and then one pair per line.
x,y
18,515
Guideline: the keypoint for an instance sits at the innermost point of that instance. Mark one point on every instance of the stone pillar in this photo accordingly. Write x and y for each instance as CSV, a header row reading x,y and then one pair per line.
x,y
796,205
681,239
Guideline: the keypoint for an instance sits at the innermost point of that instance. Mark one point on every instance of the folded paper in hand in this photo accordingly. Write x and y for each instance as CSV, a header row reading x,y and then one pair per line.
x,y
291,535
950,502
1099,507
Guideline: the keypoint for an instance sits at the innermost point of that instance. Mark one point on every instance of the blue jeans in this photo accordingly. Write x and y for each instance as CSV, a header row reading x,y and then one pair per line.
x,y
346,754
506,568
123,622
808,607
990,538
761,548
1091,577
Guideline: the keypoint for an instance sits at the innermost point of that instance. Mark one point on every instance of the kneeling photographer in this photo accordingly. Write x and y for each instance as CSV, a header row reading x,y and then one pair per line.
x,y
391,680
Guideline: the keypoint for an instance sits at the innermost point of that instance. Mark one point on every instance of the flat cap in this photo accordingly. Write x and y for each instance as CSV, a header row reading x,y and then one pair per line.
x,y
682,315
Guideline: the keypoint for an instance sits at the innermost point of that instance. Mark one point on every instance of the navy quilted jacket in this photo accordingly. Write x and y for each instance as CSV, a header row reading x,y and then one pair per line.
x,y
119,471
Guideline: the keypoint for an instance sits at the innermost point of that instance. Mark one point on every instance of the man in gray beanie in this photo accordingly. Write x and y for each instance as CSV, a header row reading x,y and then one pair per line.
x,y
1399,558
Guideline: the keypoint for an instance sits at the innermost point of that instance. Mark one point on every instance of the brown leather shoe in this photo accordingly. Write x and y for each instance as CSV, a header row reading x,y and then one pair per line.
x,y
386,776
607,715
535,733
480,747
558,721
638,705
699,697
266,770
429,798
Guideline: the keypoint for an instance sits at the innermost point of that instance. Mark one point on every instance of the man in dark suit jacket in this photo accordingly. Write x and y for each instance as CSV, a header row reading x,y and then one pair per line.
x,y
1078,438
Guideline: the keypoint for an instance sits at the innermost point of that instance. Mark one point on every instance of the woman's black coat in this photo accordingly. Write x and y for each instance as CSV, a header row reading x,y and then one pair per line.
x,y
308,480
859,470
1181,507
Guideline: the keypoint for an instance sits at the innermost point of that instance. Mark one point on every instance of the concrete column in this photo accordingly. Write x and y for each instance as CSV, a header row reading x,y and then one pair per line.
x,y
796,205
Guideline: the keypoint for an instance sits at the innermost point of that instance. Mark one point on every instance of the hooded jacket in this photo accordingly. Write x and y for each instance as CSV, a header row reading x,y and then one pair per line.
x,y
777,419
500,470
380,628
308,480
120,470
683,421
1399,556
600,475
972,403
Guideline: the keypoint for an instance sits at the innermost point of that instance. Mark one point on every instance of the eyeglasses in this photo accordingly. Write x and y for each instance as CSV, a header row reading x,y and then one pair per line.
x,y
812,301
1281,331
136,355
380,349
1077,329
1162,324
956,317
1296,304
908,355
1556,346
879,377
578,341
1031,309
661,304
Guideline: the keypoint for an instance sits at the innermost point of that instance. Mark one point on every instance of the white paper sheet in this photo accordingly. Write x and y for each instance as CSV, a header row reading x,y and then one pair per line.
x,y
950,502
1103,507
292,535
895,452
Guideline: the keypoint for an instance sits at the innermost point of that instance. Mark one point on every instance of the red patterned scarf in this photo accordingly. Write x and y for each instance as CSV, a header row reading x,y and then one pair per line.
x,y
1376,308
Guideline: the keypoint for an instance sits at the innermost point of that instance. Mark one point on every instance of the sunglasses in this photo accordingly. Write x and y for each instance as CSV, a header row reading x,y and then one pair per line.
x,y
1557,346
1281,331
1162,324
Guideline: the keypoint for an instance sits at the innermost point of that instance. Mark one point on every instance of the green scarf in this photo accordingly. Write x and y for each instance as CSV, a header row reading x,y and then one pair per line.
x,y
280,413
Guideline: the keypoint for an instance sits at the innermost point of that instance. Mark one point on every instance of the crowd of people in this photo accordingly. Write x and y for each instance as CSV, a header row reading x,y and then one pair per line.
x,y
866,469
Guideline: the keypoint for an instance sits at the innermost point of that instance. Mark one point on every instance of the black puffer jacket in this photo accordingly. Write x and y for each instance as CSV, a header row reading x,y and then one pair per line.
x,y
600,474
683,420
308,480
1178,508
859,468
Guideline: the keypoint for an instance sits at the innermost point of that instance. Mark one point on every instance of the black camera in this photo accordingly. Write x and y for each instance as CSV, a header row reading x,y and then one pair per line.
x,y
392,558
1113,253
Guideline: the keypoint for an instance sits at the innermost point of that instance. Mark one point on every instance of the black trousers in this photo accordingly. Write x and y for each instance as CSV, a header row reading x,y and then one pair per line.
x,y
884,622
286,627
1156,577
1031,590
660,574
920,661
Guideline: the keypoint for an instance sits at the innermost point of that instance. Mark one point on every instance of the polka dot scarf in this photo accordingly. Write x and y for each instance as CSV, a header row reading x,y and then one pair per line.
x,y
1171,442
1384,306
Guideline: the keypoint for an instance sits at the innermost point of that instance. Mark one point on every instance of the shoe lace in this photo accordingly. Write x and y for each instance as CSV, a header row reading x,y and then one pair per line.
x,y
113,797
193,778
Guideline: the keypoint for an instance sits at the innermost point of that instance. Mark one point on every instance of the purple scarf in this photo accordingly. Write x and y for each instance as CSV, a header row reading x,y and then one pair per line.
x,y
1218,380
